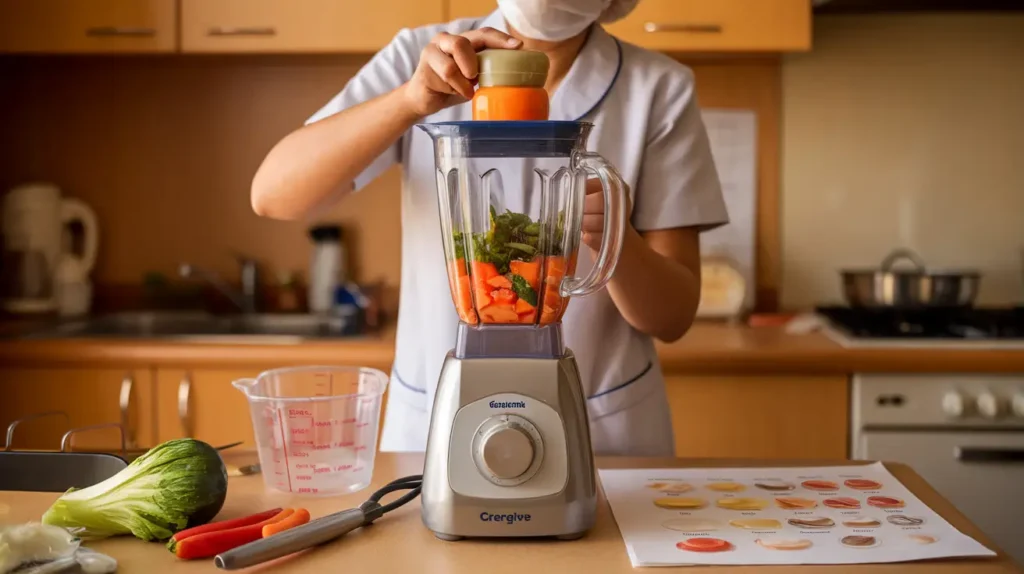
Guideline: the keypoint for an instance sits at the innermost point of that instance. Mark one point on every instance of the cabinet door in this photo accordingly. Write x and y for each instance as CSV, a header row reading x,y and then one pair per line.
x,y
700,25
74,26
299,25
772,417
87,397
202,404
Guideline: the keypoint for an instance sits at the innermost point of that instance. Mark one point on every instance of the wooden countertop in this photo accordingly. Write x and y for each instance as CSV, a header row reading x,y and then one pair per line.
x,y
398,542
709,348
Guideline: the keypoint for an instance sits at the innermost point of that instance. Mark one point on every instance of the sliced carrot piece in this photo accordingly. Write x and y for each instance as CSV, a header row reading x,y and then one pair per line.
x,y
482,272
483,296
528,318
523,307
499,282
503,296
499,314
529,270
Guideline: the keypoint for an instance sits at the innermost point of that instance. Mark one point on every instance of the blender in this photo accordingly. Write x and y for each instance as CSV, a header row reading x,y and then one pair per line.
x,y
508,450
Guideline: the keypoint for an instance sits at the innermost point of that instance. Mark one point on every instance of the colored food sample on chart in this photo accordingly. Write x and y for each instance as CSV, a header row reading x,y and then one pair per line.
x,y
704,545
511,273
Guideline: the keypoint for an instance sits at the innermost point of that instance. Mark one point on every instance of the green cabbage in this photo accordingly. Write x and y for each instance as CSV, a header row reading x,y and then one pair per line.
x,y
176,485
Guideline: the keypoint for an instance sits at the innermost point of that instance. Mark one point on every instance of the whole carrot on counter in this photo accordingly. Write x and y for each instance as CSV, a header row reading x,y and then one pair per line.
x,y
227,524
298,518
213,543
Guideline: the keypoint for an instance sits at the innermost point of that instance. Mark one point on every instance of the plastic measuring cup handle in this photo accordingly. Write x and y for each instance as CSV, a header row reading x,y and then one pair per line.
x,y
614,227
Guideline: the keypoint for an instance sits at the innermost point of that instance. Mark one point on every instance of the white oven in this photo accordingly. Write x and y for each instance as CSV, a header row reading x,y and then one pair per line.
x,y
963,433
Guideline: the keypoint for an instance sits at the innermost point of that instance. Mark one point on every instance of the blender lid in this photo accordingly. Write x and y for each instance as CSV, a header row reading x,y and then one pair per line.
x,y
513,138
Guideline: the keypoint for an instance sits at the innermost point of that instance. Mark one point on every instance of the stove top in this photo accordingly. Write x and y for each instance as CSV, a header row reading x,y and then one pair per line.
x,y
960,326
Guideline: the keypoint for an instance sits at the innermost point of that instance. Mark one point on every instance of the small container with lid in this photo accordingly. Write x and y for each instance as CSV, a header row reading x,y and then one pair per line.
x,y
511,86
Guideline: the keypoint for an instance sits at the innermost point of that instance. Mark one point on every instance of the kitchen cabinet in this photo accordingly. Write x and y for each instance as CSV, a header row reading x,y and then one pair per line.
x,y
96,26
308,26
202,404
87,396
700,25
771,417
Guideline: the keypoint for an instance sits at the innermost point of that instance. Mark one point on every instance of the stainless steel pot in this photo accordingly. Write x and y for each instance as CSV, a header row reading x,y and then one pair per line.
x,y
913,287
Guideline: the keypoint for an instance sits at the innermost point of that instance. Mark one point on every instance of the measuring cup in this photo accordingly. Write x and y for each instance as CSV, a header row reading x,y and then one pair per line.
x,y
316,427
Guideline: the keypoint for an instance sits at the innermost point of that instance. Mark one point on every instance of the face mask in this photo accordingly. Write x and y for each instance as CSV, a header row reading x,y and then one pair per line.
x,y
552,20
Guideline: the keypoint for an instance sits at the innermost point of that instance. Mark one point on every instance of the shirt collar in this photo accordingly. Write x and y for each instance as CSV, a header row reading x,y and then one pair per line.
x,y
590,78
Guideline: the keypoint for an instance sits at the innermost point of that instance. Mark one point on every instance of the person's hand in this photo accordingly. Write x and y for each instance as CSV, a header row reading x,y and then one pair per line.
x,y
593,213
447,69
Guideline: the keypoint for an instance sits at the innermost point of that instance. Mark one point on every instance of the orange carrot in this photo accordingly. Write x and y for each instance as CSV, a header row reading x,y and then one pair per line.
x,y
500,282
529,270
298,518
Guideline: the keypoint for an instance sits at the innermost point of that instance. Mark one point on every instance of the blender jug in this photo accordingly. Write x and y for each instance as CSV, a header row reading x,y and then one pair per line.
x,y
510,196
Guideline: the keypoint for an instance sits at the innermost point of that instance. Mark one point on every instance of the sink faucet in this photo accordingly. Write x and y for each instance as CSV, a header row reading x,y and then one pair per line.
x,y
246,299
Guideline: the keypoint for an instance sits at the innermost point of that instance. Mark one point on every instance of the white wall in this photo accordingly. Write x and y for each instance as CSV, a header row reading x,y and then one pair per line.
x,y
904,130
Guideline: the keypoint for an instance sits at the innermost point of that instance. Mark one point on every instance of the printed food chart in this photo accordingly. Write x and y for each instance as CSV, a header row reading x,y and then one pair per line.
x,y
821,515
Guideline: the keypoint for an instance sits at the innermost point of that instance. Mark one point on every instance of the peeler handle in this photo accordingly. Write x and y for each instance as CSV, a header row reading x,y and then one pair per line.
x,y
292,540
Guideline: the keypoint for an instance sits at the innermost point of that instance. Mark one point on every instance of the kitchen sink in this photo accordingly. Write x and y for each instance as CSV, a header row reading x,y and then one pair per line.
x,y
196,326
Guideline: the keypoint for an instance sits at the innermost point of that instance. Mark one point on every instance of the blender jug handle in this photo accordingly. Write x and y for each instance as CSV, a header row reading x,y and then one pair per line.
x,y
614,227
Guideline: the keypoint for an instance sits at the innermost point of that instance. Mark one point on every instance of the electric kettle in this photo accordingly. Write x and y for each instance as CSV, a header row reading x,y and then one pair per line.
x,y
37,251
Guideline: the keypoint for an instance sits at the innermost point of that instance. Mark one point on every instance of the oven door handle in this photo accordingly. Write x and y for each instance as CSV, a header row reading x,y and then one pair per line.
x,y
983,454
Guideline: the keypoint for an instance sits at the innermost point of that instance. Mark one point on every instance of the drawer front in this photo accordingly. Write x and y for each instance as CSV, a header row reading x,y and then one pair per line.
x,y
95,26
700,25
299,26
718,25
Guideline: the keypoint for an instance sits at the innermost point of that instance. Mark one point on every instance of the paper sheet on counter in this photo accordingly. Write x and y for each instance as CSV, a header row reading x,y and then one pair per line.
x,y
776,516
733,137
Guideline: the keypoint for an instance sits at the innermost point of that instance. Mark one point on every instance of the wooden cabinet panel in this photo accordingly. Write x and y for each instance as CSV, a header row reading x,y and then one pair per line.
x,y
202,404
101,26
88,396
299,25
700,25
760,416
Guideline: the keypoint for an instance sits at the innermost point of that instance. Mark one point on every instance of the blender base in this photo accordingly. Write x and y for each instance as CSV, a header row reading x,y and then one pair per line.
x,y
508,451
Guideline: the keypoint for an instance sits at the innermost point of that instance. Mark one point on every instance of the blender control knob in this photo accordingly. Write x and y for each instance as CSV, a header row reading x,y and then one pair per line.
x,y
988,405
508,449
953,404
507,452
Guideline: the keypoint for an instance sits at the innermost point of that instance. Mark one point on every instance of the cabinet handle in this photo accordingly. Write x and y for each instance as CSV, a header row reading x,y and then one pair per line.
x,y
654,27
125,402
218,31
184,398
118,31
982,454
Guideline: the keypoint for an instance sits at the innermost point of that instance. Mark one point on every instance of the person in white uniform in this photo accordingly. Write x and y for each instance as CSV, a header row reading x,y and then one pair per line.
x,y
646,123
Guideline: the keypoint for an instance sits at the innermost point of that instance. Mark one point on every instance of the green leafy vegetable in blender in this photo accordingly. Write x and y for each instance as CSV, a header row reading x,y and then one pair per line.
x,y
523,290
512,237
175,485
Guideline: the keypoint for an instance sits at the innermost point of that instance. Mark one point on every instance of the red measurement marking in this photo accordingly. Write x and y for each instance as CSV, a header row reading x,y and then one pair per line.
x,y
322,424
321,470
347,443
299,413
343,467
321,447
348,421
302,442
303,465
361,425
297,454
357,469
300,431
303,477
360,447
278,473
280,419
309,490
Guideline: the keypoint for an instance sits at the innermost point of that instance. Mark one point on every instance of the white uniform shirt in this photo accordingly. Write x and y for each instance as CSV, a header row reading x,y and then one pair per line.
x,y
647,124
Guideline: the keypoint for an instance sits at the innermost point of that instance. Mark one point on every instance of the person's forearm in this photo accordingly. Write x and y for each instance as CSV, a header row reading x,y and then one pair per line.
x,y
657,295
316,163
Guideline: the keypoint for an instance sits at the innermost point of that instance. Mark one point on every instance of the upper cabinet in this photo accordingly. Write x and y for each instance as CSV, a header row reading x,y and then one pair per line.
x,y
308,26
347,26
700,25
93,26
